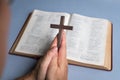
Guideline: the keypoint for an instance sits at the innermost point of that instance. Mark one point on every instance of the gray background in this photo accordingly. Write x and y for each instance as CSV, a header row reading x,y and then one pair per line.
x,y
109,9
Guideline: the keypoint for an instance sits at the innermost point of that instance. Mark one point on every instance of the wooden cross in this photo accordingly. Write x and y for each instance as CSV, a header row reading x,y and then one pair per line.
x,y
60,27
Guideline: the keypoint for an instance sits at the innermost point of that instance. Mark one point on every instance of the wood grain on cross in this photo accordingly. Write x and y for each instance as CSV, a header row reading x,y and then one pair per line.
x,y
60,27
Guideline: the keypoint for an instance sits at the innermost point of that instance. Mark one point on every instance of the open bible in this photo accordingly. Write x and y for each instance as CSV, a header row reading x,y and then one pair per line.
x,y
89,44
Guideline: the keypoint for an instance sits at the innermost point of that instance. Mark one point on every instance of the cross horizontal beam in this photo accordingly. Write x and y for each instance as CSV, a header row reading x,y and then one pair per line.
x,y
65,27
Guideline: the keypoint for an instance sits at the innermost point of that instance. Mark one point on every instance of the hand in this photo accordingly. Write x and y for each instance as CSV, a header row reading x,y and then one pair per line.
x,y
53,66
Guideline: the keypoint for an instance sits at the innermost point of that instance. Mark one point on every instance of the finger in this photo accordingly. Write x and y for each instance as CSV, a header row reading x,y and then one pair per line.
x,y
63,43
53,67
54,43
45,63
62,51
53,61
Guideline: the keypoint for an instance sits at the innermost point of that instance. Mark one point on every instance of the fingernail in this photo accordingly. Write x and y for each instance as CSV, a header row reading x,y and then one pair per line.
x,y
64,32
55,49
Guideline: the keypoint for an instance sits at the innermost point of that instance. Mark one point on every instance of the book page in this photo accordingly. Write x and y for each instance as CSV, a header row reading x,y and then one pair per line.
x,y
87,42
38,35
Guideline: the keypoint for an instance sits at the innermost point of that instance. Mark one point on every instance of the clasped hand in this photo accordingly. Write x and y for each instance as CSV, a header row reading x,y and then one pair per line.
x,y
53,66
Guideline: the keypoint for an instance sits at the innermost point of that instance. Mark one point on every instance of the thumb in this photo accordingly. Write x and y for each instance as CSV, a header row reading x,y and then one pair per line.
x,y
45,63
